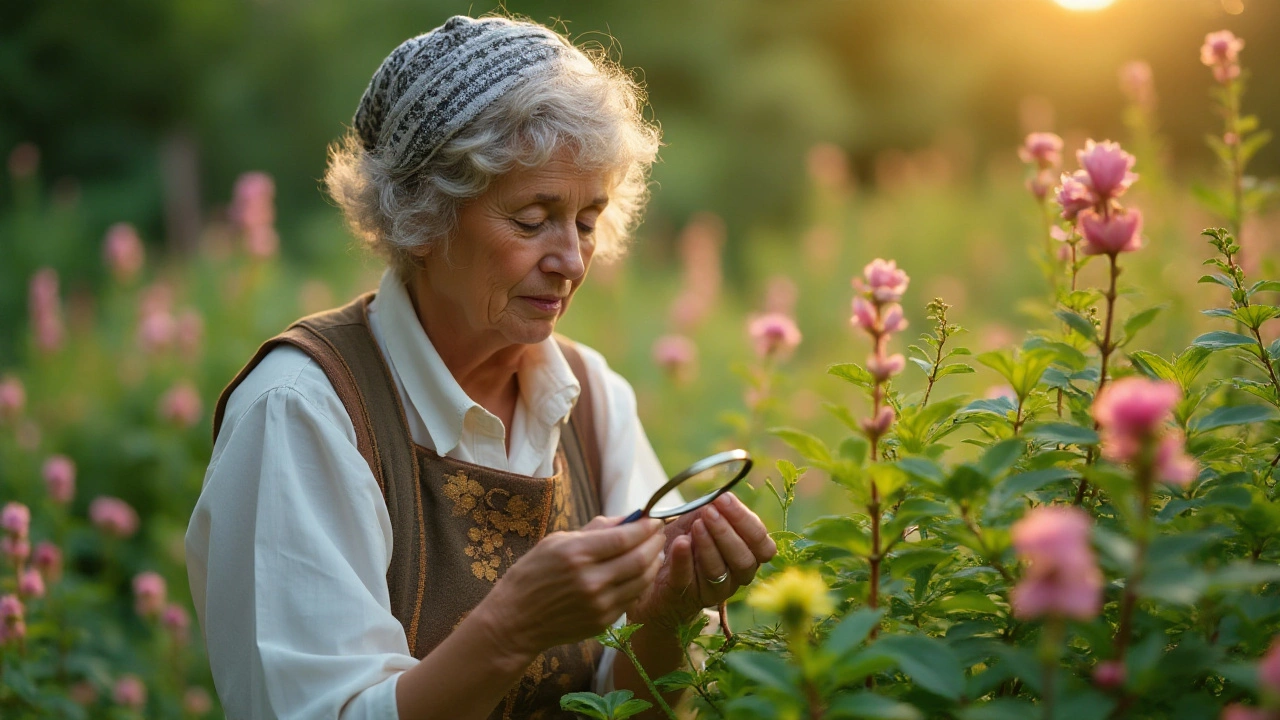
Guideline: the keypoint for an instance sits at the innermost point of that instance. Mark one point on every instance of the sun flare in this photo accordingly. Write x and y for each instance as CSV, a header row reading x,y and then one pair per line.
x,y
1084,4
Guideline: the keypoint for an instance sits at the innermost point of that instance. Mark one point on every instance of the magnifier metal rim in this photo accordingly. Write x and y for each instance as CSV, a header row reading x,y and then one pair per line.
x,y
703,465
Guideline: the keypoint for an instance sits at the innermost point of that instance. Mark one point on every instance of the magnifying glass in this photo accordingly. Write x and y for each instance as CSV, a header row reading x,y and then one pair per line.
x,y
720,471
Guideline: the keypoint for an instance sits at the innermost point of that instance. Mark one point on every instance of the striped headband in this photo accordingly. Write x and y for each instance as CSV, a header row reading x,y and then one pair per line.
x,y
431,86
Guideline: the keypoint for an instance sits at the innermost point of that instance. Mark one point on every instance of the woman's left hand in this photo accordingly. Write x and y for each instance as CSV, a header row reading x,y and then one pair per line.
x,y
709,555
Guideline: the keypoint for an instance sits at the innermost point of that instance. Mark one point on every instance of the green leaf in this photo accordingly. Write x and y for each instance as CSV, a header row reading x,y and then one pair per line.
x,y
869,706
1064,434
972,601
1265,286
953,369
1080,324
924,365
1000,457
807,445
1190,363
1153,366
840,531
999,709
1236,415
1219,278
1015,486
1221,340
1254,315
924,469
852,630
853,373
1139,320
764,668
929,662
617,705
999,360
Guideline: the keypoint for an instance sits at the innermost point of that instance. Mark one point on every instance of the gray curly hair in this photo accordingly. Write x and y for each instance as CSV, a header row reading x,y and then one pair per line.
x,y
450,111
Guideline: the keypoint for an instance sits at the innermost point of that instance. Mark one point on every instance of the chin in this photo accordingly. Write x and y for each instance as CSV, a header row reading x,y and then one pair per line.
x,y
531,333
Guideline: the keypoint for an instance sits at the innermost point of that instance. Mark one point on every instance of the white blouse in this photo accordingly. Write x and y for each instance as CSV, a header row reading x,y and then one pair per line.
x,y
289,543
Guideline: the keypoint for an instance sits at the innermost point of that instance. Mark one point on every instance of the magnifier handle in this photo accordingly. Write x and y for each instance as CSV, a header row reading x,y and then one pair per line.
x,y
633,517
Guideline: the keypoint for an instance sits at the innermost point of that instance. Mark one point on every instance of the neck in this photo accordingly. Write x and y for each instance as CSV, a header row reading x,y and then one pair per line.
x,y
484,366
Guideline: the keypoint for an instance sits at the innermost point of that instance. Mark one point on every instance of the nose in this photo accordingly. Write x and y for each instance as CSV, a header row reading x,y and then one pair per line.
x,y
569,255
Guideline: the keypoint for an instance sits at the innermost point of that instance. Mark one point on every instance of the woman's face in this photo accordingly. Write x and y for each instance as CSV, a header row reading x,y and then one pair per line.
x,y
520,252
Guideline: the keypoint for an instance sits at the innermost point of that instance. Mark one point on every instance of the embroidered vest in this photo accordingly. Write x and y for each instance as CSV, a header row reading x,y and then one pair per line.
x,y
456,527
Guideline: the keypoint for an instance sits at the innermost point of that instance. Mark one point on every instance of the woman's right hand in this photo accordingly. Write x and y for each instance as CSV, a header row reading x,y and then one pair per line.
x,y
573,585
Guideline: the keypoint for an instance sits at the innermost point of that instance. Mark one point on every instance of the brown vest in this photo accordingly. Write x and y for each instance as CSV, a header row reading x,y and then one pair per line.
x,y
456,527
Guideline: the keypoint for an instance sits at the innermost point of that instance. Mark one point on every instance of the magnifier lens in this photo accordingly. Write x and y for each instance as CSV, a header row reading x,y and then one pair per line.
x,y
711,480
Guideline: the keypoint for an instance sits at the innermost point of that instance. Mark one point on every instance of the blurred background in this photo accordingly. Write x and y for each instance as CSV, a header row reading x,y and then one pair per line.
x,y
802,139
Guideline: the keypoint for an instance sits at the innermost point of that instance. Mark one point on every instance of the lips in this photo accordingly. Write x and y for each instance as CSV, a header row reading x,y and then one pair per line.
x,y
546,303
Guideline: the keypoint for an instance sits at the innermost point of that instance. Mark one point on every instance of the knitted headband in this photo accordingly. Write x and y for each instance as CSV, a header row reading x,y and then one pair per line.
x,y
431,86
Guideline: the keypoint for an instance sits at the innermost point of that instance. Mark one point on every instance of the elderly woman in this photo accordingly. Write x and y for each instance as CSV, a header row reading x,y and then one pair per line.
x,y
412,506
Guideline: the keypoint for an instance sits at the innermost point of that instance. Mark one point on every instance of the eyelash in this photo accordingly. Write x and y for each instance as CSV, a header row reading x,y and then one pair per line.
x,y
583,228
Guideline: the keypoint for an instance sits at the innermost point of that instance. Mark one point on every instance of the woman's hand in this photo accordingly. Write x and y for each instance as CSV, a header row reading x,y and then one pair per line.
x,y
709,555
572,585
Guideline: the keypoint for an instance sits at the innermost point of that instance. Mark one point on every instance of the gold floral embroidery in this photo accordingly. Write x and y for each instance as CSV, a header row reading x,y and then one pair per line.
x,y
496,513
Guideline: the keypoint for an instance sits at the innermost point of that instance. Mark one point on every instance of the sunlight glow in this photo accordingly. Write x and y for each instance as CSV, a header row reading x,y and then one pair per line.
x,y
1084,4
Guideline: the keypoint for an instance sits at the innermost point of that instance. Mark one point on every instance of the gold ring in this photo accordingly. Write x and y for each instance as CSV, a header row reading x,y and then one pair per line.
x,y
720,580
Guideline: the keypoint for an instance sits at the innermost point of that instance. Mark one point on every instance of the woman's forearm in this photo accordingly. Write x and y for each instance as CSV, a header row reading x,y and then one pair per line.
x,y
464,677
659,653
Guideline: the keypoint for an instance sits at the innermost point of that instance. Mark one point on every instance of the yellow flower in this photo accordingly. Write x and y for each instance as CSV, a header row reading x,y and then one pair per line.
x,y
795,594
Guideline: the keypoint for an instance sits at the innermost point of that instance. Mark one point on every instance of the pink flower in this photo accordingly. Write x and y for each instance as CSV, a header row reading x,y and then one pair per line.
x,y
1236,711
1132,411
1269,669
886,282
674,353
60,478
1112,235
189,331
1172,463
1221,48
15,519
181,405
123,252
773,334
780,295
196,701
883,368
13,397
1041,184
130,692
1109,674
48,561
1107,167
176,620
156,332
253,211
893,321
113,516
149,592
261,242
10,608
1062,578
1042,148
864,315
1224,74
880,424
15,548
24,159
31,584
46,310
1074,195
1136,83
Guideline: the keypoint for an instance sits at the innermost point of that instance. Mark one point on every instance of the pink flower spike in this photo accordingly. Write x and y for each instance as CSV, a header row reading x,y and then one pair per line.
x,y
48,561
148,594
196,701
10,608
1109,674
1269,669
31,585
1042,148
1062,577
15,519
773,334
1221,48
675,353
1041,184
1137,84
1173,464
1107,167
1074,195
60,478
1119,233
880,424
181,405
113,517
864,314
1236,711
176,620
16,549
123,252
13,397
893,321
130,692
1136,406
883,368
886,282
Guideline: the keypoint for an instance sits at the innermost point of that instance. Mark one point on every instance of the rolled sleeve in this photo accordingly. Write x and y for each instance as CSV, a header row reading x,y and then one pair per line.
x,y
287,556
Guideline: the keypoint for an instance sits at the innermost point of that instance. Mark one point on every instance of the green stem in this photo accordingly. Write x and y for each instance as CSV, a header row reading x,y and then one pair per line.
x,y
626,648
1141,538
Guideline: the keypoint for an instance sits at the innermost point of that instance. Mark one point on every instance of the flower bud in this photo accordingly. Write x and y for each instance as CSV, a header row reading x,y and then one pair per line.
x,y
123,252
773,334
893,321
31,585
1042,148
113,517
1109,674
48,561
60,478
1074,195
148,594
882,368
15,519
885,281
130,692
1119,232
1107,168
880,424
